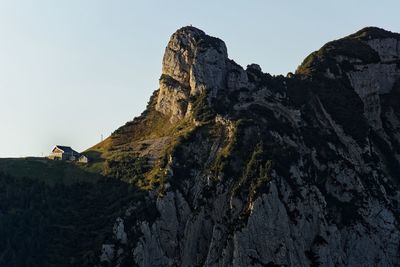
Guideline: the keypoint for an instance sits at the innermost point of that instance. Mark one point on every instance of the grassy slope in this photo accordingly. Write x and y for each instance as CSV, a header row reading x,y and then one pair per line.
x,y
48,171
122,146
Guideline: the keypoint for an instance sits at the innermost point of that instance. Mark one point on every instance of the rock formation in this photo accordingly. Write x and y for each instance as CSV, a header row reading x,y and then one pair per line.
x,y
193,62
265,170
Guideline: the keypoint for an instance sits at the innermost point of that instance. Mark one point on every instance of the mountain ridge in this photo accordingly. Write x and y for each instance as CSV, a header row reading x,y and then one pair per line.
x,y
231,166
237,158
186,103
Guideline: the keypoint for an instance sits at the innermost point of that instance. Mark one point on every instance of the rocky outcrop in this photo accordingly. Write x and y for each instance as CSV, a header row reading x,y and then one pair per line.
x,y
295,171
372,71
193,62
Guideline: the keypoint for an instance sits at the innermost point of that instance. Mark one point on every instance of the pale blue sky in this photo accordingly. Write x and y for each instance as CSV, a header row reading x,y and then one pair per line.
x,y
71,70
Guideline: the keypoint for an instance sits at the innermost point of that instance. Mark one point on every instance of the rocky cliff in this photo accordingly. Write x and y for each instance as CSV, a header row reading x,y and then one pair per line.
x,y
248,169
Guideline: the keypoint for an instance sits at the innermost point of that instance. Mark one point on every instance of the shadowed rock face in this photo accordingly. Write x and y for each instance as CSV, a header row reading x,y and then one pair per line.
x,y
295,171
369,60
375,79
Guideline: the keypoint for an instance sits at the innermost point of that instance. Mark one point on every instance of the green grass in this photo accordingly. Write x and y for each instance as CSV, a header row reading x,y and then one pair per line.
x,y
150,125
49,171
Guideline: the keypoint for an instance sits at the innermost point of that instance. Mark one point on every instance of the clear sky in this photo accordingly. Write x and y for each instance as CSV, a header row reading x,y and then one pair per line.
x,y
71,70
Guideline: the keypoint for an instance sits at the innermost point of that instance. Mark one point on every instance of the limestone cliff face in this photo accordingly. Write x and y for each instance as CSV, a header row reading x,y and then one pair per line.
x,y
193,62
295,171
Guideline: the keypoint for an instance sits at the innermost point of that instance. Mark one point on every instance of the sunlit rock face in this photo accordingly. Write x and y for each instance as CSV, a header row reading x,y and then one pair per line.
x,y
193,62
283,171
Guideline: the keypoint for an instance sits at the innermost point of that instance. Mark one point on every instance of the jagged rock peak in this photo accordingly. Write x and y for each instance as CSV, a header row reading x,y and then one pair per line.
x,y
193,62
